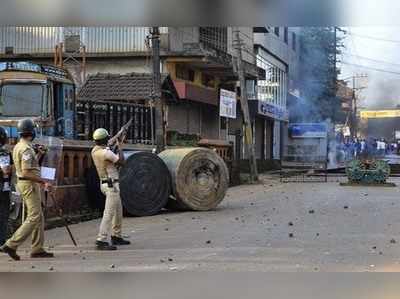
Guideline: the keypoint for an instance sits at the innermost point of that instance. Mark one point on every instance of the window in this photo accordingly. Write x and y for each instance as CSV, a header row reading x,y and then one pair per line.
x,y
184,73
276,31
22,99
274,88
294,41
286,35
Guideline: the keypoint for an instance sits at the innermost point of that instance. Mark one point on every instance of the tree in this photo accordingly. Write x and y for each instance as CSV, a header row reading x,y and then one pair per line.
x,y
319,47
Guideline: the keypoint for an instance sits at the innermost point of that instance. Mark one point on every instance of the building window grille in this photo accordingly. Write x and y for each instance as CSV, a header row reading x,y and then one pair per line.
x,y
214,37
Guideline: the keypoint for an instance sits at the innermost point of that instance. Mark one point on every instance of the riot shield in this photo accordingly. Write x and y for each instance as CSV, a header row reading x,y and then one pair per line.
x,y
50,165
51,161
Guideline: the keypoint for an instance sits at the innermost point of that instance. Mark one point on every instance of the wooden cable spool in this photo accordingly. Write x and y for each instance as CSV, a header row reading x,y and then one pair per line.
x,y
145,184
199,176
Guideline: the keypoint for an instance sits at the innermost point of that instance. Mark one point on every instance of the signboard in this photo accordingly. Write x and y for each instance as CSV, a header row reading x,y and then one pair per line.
x,y
308,130
270,110
33,67
379,113
397,135
227,103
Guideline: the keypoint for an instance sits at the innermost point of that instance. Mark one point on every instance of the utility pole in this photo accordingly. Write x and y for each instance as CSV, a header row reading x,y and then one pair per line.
x,y
157,98
248,134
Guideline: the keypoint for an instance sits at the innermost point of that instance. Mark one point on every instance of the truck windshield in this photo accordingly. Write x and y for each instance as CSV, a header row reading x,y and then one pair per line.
x,y
21,99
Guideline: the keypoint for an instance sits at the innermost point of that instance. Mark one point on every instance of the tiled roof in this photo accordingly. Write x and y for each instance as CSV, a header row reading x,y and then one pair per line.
x,y
116,87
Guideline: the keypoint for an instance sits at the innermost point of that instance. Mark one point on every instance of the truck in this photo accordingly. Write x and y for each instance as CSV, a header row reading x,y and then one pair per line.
x,y
47,94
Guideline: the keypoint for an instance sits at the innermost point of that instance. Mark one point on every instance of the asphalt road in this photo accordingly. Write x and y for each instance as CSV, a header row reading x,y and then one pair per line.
x,y
266,227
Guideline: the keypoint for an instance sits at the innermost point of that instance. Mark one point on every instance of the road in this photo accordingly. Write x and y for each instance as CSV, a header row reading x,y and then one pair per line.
x,y
271,226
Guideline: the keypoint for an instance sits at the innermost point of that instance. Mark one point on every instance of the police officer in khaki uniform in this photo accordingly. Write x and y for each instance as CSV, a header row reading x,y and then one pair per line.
x,y
107,163
28,183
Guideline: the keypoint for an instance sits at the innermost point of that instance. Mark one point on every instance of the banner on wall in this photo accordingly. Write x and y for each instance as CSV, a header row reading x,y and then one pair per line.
x,y
227,103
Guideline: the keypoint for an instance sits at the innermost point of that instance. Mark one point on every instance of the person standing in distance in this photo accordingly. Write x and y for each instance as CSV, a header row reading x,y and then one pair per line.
x,y
5,188
107,162
28,183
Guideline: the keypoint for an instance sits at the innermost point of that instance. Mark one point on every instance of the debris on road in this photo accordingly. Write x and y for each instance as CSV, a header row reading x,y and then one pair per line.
x,y
112,266
393,241
208,242
311,211
346,207
290,223
291,235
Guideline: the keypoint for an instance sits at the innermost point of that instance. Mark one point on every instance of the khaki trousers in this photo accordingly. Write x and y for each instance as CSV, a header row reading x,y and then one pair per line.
x,y
112,217
34,222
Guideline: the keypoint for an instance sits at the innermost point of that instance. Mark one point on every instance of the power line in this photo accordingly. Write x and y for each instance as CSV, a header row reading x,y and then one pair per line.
x,y
371,68
372,59
374,38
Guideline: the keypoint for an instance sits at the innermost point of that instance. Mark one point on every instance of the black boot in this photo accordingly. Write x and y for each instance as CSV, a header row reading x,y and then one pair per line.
x,y
11,252
42,254
119,241
104,246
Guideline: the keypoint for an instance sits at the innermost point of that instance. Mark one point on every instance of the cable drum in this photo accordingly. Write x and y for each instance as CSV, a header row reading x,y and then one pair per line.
x,y
199,176
145,184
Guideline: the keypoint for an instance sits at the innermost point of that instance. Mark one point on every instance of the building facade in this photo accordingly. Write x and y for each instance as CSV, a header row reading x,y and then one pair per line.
x,y
199,60
277,53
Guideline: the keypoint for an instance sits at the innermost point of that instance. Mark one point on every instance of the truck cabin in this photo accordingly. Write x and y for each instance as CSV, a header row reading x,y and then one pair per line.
x,y
42,92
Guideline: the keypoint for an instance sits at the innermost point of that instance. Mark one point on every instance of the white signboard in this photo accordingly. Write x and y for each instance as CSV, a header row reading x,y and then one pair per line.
x,y
397,135
227,103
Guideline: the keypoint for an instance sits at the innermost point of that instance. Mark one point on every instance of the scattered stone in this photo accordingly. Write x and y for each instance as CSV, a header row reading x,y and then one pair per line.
x,y
237,218
393,241
346,207
166,219
167,229
366,194
84,257
252,203
374,247
311,211
291,235
193,218
33,267
112,266
170,259
316,269
51,269
317,234
290,223
380,253
204,228
208,242
162,261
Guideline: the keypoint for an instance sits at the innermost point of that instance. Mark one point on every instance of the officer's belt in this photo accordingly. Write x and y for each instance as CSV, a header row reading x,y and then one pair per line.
x,y
107,180
23,179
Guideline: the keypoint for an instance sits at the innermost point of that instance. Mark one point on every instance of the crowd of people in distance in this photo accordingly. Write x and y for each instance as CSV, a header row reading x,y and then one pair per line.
x,y
354,148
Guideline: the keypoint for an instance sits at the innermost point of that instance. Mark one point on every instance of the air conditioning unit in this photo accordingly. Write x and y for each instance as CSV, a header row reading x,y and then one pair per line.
x,y
9,50
72,43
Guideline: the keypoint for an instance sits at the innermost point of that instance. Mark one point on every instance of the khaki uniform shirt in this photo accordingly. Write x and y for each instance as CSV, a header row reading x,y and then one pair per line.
x,y
24,157
104,160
